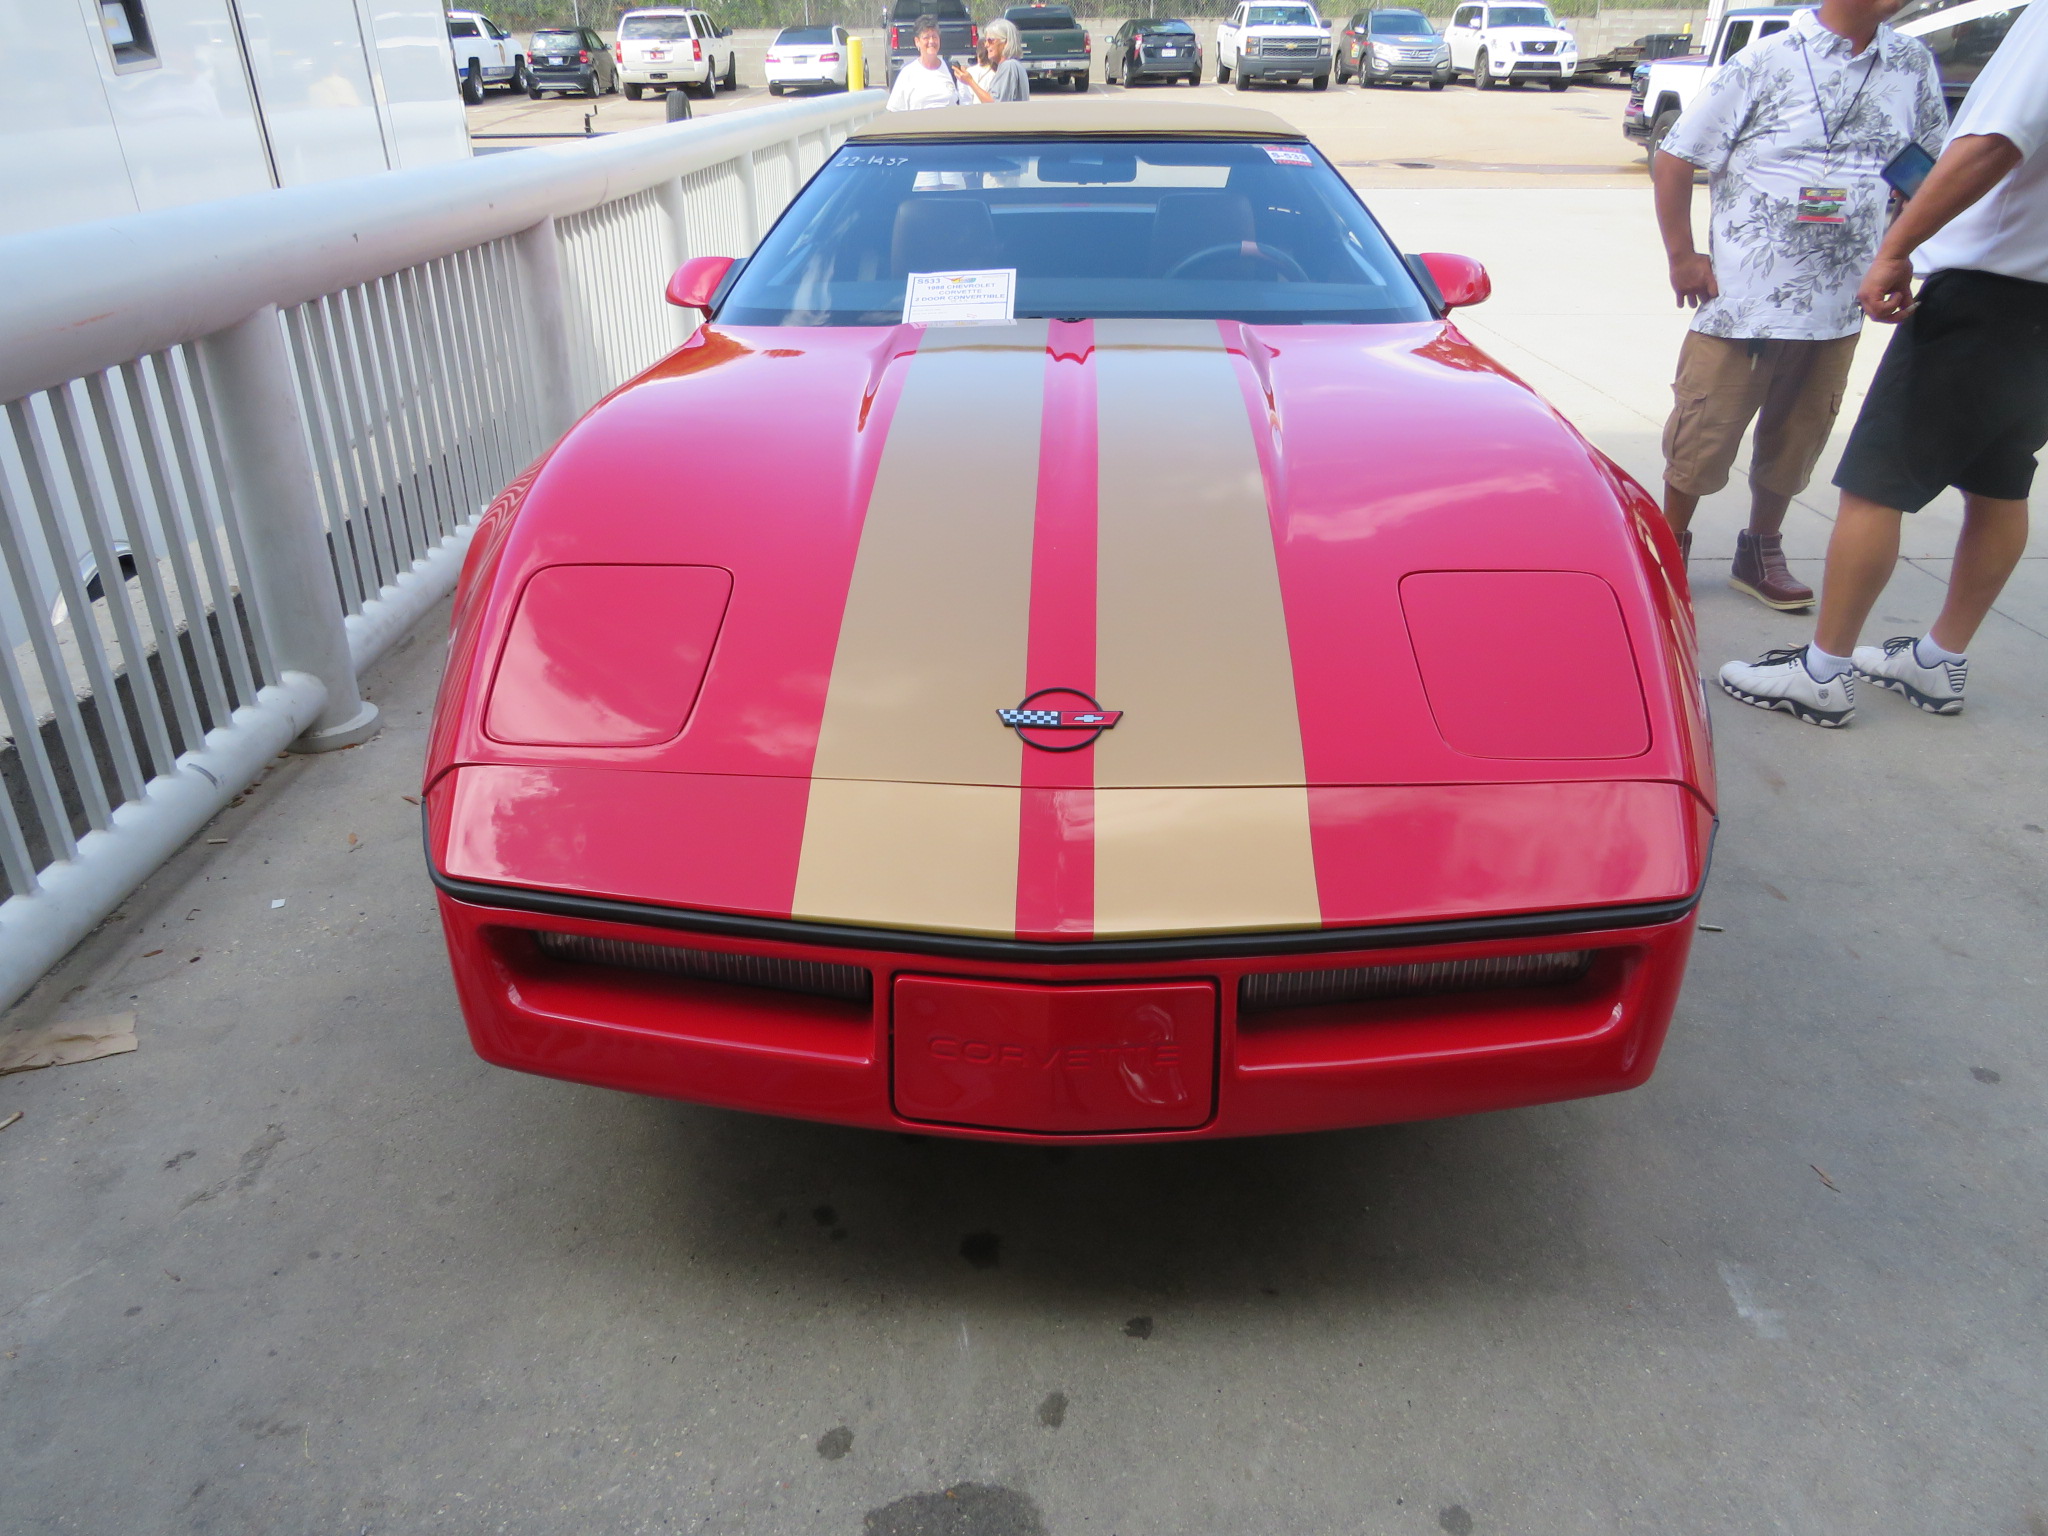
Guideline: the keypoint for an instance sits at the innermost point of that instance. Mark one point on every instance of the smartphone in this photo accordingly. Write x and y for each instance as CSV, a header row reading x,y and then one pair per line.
x,y
1907,169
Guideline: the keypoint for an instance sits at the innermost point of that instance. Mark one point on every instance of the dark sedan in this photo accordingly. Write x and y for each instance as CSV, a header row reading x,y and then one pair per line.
x,y
570,59
1152,50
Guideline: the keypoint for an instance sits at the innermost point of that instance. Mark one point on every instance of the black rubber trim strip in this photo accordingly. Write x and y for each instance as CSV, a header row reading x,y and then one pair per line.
x,y
1218,946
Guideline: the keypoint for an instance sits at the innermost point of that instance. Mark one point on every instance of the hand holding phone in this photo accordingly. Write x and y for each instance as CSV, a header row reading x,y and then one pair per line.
x,y
1904,172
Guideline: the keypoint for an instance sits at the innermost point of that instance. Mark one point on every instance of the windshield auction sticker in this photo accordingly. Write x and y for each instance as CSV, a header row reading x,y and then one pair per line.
x,y
1284,154
961,298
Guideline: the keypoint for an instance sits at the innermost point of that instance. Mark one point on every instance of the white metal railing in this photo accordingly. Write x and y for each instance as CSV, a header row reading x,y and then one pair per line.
x,y
245,444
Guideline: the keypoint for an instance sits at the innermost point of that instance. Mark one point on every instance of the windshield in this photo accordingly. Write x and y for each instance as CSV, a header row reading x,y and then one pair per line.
x,y
1161,26
660,29
463,29
1186,229
1281,16
1402,24
791,36
1520,16
558,40
1042,21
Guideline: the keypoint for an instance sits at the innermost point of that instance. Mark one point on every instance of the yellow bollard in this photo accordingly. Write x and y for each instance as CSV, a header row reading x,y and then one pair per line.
x,y
856,65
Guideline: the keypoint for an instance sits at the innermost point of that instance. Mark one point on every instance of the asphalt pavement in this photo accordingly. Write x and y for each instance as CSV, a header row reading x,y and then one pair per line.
x,y
301,1263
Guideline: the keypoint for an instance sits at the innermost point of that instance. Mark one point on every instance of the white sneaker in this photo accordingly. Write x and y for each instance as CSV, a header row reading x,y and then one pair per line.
x,y
1937,689
1779,680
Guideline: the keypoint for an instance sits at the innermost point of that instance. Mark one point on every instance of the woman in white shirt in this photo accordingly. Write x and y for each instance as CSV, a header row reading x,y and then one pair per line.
x,y
928,80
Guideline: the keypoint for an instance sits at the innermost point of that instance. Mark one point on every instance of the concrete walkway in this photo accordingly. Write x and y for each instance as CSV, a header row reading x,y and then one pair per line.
x,y
302,1264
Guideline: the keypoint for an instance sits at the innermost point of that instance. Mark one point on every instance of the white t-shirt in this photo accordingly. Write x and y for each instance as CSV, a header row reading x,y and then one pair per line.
x,y
917,88
2006,230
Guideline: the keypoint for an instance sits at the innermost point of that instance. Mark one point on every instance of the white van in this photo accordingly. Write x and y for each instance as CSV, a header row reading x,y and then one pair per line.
x,y
661,49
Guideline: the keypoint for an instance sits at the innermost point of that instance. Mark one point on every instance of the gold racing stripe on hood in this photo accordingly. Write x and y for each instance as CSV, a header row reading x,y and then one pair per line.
x,y
1201,805
914,802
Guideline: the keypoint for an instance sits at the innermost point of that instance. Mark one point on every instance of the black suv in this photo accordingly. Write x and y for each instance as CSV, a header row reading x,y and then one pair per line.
x,y
959,37
569,59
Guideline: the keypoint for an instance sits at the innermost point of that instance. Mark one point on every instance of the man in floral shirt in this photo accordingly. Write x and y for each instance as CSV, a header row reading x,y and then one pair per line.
x,y
1794,133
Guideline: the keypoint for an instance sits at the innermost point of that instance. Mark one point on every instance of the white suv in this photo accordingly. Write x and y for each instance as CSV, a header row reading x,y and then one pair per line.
x,y
485,54
1507,44
662,49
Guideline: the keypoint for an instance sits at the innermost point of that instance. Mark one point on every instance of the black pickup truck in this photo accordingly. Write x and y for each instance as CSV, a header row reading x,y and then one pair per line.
x,y
1055,46
959,37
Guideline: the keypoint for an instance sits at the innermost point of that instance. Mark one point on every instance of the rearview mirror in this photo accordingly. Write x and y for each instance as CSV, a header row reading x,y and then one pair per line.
x,y
697,280
1460,281
1089,167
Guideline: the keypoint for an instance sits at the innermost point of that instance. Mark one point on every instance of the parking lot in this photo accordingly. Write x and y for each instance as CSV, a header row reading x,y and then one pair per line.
x,y
1384,137
301,1263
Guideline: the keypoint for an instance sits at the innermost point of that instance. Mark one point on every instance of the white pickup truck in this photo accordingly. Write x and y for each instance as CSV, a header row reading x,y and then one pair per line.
x,y
1664,88
1284,43
485,54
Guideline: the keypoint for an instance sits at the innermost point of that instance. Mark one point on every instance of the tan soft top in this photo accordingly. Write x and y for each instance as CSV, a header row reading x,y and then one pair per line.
x,y
1107,119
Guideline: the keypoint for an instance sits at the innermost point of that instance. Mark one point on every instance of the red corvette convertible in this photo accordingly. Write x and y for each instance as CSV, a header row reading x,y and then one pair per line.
x,y
1130,669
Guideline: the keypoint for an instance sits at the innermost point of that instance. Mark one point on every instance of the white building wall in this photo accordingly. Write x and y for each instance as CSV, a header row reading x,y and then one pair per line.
x,y
344,88
424,121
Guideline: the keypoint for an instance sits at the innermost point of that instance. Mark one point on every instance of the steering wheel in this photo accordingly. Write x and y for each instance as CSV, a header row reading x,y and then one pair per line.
x,y
1289,269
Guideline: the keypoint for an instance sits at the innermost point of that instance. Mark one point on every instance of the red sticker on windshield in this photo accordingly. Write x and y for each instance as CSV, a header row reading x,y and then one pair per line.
x,y
1281,154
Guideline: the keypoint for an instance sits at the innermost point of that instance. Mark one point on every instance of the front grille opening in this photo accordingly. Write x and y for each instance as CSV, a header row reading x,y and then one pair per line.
x,y
819,978
1272,990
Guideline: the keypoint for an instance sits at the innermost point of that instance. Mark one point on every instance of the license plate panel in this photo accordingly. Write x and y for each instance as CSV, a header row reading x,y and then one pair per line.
x,y
1057,1060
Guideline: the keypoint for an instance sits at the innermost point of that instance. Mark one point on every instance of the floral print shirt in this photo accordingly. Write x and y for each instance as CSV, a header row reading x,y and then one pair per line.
x,y
1794,111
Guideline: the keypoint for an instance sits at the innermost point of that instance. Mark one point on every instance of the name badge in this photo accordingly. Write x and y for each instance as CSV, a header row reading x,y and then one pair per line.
x,y
1822,205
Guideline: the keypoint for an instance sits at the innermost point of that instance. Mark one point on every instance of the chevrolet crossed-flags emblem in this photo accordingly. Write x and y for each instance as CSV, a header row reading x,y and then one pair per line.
x,y
1034,714
1062,719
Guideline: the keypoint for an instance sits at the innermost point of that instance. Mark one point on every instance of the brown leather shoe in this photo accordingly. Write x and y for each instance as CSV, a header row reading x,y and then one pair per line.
x,y
1760,570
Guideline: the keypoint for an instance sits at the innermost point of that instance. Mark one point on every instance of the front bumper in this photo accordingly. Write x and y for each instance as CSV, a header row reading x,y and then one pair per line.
x,y
1635,124
1284,67
889,1062
1407,69
1537,69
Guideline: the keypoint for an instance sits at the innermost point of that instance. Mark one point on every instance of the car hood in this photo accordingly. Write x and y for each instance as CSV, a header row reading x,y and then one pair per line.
x,y
1228,534
1518,34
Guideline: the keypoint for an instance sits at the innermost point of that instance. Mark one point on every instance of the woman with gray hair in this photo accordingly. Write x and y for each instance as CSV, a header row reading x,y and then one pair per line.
x,y
1002,76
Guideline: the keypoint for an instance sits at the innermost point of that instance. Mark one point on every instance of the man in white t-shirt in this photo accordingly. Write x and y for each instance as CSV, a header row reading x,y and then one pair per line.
x,y
928,80
1961,399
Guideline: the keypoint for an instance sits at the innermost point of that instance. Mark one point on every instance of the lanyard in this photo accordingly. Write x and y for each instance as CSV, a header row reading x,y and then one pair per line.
x,y
1827,133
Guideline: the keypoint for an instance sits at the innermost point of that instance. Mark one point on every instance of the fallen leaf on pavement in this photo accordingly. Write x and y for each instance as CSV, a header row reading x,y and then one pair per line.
x,y
1816,1167
10,1120
63,1045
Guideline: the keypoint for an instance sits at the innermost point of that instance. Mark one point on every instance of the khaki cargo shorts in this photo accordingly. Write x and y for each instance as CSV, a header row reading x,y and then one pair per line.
x,y
1792,389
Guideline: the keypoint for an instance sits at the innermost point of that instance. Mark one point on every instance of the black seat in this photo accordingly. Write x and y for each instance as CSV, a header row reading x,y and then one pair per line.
x,y
943,234
1187,222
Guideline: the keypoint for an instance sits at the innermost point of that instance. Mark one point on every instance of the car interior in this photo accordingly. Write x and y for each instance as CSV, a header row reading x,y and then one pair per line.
x,y
1217,230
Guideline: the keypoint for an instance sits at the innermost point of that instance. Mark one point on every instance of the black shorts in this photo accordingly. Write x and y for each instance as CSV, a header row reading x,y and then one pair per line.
x,y
1961,398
